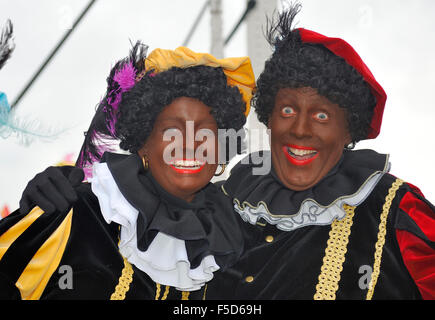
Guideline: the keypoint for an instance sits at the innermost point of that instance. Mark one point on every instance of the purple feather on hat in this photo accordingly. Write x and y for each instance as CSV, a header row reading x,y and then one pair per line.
x,y
125,77
101,135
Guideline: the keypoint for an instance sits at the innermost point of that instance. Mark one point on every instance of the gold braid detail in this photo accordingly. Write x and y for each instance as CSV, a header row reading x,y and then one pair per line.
x,y
159,289
165,294
334,256
185,295
124,282
205,290
381,236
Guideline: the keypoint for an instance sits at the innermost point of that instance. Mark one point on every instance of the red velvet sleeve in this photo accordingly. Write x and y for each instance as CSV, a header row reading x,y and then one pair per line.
x,y
418,255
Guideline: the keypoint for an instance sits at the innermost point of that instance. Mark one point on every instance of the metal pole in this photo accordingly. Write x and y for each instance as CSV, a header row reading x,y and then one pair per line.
x,y
195,23
251,5
259,51
52,54
217,43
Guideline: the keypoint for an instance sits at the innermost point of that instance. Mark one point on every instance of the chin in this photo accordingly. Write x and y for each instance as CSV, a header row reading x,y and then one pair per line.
x,y
300,187
295,183
188,184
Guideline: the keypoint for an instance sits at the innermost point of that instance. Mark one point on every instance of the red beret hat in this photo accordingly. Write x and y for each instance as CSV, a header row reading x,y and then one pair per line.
x,y
342,49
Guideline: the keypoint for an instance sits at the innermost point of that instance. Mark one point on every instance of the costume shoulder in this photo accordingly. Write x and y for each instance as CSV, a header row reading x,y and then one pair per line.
x,y
31,247
416,214
415,234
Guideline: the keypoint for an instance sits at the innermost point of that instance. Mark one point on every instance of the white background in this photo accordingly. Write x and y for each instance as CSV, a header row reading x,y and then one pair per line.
x,y
395,38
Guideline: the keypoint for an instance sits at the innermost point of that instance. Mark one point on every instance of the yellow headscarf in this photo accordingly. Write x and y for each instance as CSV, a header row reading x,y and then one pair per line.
x,y
238,71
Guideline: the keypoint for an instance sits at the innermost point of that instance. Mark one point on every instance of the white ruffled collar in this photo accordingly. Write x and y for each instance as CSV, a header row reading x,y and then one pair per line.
x,y
165,261
265,198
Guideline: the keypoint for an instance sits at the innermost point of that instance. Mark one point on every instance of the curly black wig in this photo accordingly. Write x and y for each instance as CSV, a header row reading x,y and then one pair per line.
x,y
295,64
135,97
141,105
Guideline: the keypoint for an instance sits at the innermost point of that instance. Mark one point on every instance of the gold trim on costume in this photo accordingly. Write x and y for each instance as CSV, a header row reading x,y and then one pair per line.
x,y
205,291
158,290
39,270
242,205
124,282
17,229
165,294
223,166
224,191
334,256
381,236
185,295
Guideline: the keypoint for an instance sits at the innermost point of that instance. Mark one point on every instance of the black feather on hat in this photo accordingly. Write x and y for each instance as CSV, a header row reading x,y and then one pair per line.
x,y
6,43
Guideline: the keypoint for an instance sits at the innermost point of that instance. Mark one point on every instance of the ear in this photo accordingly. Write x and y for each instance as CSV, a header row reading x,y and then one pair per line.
x,y
347,138
143,151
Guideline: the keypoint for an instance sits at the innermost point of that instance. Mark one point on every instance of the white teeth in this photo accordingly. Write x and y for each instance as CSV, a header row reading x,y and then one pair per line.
x,y
301,152
182,164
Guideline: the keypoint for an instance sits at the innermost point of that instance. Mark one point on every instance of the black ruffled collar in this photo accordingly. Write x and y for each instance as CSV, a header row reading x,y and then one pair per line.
x,y
345,179
208,224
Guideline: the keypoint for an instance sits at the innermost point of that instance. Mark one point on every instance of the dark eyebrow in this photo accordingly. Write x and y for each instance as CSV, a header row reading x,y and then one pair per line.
x,y
171,119
208,121
178,120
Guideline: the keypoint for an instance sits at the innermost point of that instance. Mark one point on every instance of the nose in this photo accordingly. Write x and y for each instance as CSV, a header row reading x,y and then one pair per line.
x,y
301,126
194,145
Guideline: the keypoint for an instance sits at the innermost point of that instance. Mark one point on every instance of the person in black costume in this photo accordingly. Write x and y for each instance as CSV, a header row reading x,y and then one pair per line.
x,y
327,222
142,226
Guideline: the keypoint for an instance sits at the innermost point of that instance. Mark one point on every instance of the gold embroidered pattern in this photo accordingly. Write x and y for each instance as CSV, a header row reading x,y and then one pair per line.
x,y
185,295
205,291
124,282
381,236
158,290
334,256
165,294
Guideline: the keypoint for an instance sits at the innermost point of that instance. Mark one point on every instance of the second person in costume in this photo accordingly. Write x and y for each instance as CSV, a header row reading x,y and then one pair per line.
x,y
327,222
143,227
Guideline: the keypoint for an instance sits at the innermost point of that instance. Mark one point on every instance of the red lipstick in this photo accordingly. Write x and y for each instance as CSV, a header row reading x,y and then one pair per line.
x,y
299,160
187,166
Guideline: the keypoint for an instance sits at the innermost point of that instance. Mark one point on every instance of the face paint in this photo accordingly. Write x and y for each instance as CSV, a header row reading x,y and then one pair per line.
x,y
308,135
174,162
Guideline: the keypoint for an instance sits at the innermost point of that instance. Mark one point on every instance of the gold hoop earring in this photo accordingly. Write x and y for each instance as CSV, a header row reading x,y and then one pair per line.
x,y
222,170
145,162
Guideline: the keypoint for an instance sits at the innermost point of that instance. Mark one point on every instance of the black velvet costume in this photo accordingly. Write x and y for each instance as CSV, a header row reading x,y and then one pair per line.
x,y
286,264
207,225
285,256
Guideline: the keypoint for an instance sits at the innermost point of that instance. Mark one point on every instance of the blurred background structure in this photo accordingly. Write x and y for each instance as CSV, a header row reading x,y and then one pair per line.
x,y
74,43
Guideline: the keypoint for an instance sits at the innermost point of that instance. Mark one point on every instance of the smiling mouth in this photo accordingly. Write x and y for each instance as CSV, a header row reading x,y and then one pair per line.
x,y
187,166
298,155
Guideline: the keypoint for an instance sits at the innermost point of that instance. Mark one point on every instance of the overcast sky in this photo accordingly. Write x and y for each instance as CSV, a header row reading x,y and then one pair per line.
x,y
394,38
